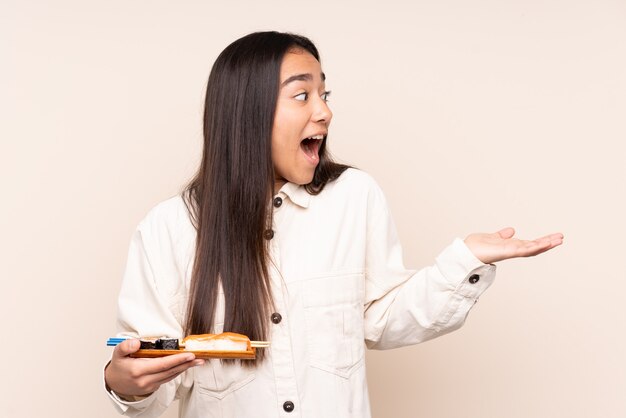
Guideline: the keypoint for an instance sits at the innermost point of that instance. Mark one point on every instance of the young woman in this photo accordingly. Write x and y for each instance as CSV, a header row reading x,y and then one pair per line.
x,y
273,240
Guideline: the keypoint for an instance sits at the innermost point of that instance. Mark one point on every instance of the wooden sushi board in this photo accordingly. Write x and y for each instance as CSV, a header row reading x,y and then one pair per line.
x,y
243,355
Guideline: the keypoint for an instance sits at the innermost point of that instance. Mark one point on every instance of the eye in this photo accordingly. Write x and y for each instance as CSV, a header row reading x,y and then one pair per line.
x,y
302,96
326,95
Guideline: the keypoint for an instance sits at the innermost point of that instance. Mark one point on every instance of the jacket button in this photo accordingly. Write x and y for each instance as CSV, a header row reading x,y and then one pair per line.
x,y
288,406
474,278
277,202
276,318
268,234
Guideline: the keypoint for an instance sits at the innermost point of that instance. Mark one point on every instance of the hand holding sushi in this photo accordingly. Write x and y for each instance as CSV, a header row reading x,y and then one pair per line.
x,y
128,376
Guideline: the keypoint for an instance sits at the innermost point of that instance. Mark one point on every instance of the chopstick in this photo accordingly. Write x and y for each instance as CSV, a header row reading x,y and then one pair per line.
x,y
112,342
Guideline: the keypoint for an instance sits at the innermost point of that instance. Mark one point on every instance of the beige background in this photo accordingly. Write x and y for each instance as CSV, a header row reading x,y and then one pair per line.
x,y
472,115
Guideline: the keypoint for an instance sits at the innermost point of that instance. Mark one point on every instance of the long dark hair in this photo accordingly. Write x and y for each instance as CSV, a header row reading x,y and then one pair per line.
x,y
229,197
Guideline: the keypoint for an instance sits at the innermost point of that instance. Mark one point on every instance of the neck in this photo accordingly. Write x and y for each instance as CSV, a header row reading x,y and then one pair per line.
x,y
278,183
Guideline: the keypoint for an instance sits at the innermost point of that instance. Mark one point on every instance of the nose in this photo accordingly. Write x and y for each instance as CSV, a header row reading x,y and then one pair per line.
x,y
322,113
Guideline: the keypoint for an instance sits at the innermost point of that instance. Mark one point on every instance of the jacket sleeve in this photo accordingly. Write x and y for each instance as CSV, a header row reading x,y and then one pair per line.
x,y
404,307
145,309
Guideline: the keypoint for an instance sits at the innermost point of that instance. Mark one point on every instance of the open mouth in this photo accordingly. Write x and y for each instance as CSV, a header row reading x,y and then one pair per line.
x,y
311,146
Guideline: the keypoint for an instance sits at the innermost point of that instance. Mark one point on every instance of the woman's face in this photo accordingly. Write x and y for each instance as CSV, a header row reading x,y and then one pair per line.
x,y
302,118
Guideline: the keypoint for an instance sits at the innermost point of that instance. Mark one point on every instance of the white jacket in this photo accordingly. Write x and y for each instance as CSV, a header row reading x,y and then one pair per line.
x,y
339,283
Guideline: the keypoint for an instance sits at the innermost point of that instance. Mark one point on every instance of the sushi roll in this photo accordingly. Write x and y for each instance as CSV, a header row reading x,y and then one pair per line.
x,y
162,343
227,341
147,343
167,344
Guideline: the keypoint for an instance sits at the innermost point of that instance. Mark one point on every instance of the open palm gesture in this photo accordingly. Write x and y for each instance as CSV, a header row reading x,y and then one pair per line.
x,y
490,248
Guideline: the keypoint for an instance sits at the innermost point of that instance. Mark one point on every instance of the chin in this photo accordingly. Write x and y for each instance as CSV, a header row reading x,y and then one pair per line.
x,y
304,179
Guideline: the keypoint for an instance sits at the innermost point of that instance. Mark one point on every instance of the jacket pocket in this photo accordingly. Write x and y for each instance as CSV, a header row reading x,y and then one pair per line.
x,y
217,378
333,309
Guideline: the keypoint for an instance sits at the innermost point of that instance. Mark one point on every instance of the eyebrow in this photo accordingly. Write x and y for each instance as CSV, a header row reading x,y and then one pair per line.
x,y
301,77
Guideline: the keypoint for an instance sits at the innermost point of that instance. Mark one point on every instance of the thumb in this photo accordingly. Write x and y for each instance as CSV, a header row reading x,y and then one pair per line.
x,y
126,348
506,233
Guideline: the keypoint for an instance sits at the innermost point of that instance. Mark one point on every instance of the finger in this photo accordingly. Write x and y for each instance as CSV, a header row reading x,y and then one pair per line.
x,y
168,375
506,233
539,251
552,237
158,365
126,348
555,242
152,382
550,241
538,246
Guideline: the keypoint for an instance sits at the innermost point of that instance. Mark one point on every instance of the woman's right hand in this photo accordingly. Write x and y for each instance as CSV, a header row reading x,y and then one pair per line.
x,y
128,376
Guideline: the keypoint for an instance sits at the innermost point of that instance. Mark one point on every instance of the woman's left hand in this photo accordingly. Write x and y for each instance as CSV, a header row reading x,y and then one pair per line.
x,y
490,248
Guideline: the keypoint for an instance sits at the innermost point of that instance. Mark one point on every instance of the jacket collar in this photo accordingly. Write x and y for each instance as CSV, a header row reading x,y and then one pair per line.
x,y
297,194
